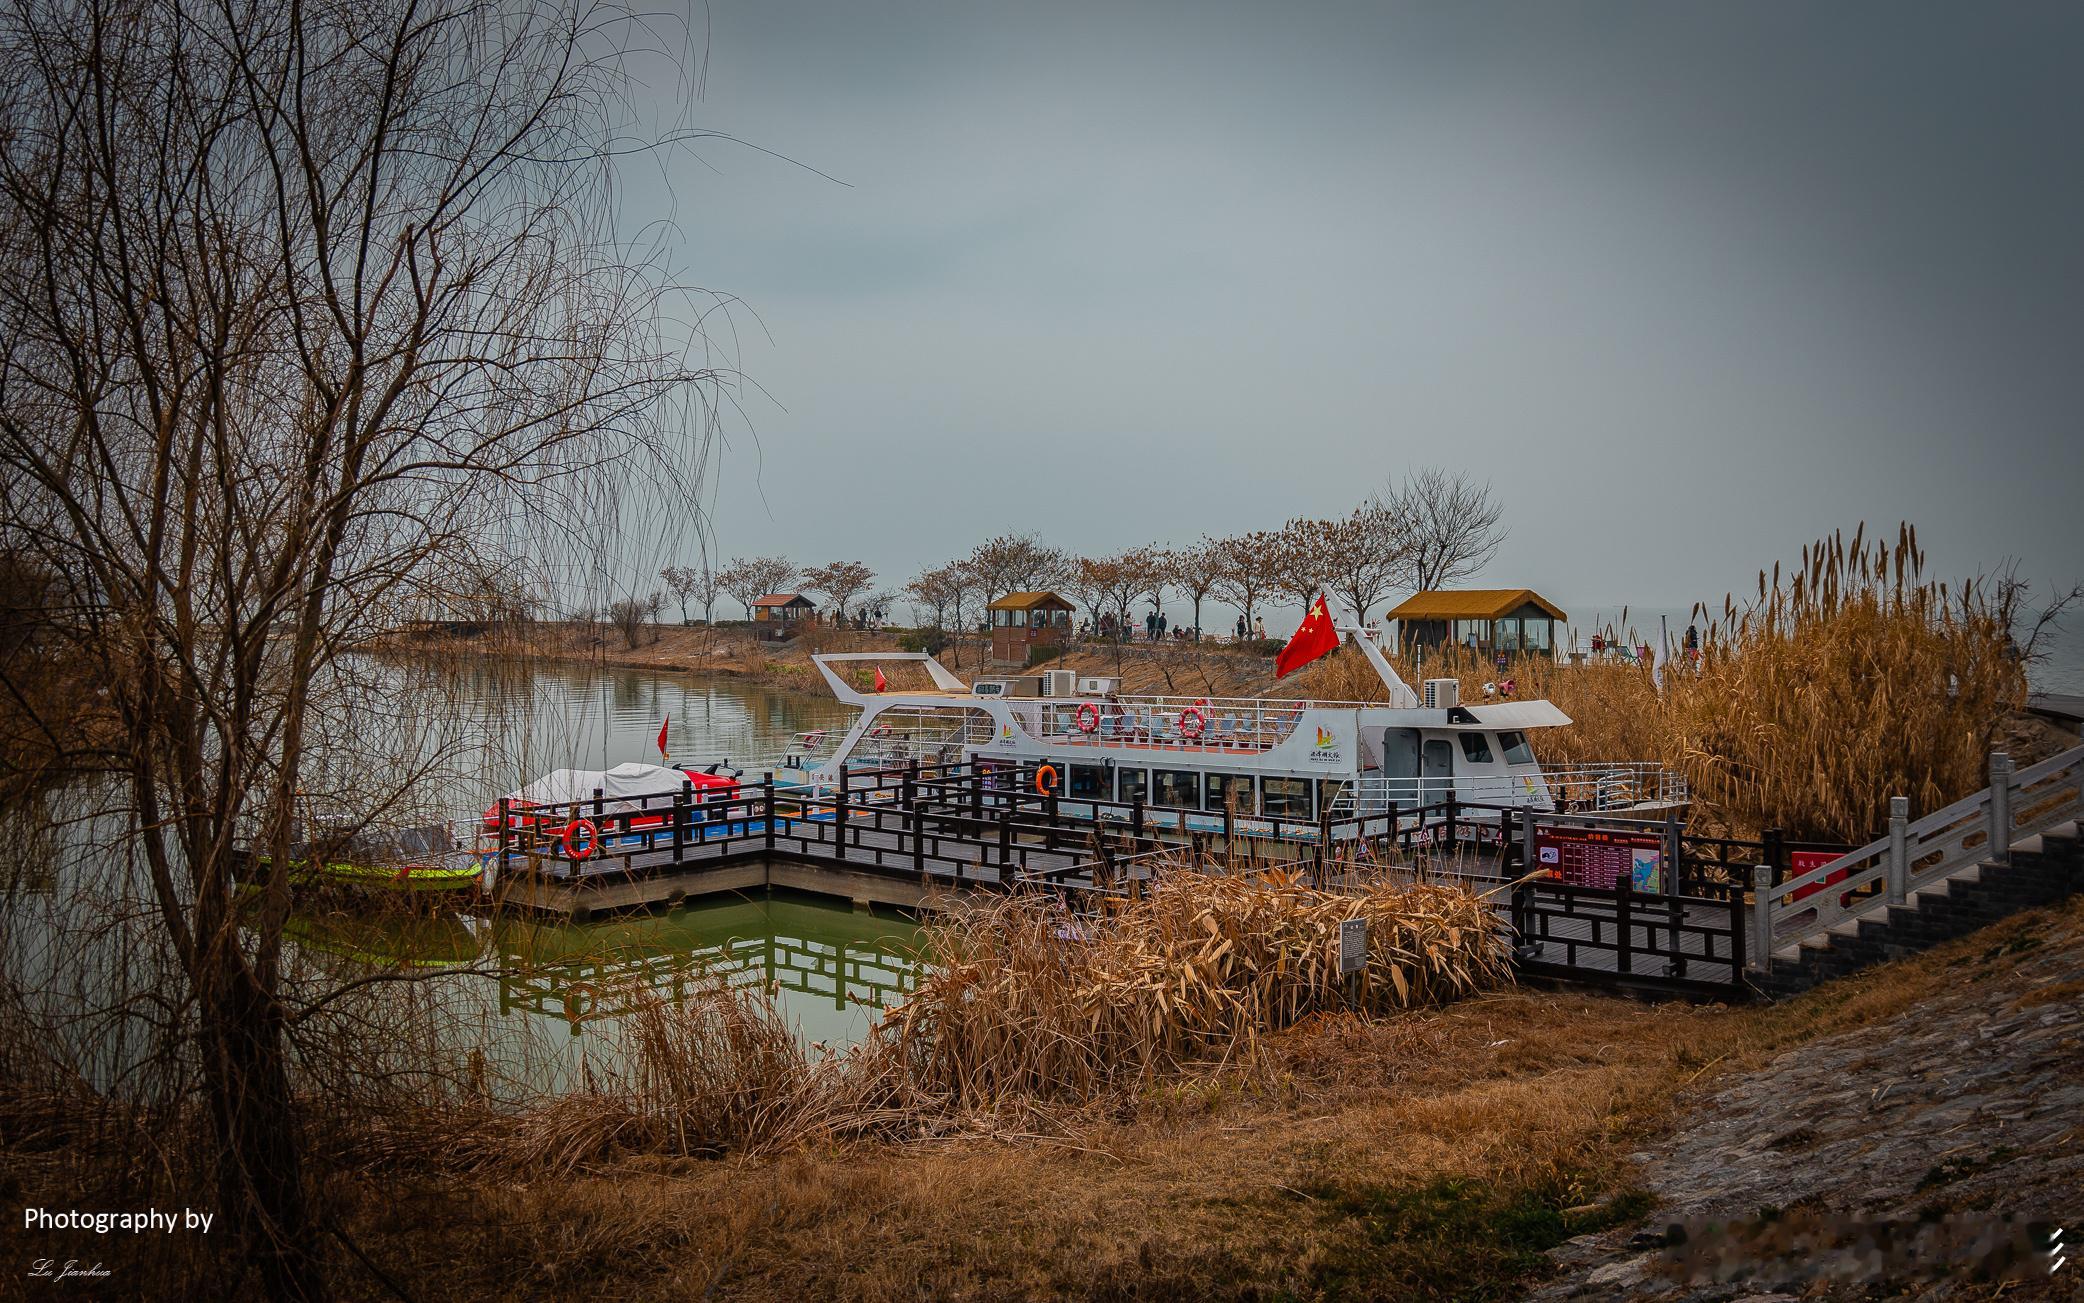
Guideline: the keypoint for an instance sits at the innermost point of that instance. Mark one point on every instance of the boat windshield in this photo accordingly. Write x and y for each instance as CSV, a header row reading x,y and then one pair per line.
x,y
1517,752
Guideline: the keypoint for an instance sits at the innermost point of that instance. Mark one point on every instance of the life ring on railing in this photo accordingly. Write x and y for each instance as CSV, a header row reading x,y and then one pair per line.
x,y
1192,722
1045,779
579,850
579,1000
1088,717
880,730
813,739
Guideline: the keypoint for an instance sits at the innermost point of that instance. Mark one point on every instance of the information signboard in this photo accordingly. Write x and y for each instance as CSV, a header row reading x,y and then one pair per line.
x,y
1601,857
1353,946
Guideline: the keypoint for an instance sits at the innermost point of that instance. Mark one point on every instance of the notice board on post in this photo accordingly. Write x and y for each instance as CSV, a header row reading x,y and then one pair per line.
x,y
1601,857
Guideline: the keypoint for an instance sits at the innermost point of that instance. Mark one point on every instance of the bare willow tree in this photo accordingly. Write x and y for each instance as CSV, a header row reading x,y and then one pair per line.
x,y
309,313
1453,526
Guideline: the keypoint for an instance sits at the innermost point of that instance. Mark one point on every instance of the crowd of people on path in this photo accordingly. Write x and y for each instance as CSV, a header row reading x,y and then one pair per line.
x,y
1158,628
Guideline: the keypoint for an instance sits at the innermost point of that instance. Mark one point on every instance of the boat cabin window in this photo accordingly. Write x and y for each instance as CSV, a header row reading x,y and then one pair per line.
x,y
1220,788
1517,752
1087,782
1287,796
1132,785
1476,748
1179,788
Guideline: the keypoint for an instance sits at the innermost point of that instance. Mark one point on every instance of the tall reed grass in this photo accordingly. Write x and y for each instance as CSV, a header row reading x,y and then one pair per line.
x,y
1028,1001
1845,681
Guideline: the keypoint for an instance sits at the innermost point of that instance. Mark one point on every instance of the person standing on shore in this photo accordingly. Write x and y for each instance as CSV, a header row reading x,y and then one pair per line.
x,y
1240,628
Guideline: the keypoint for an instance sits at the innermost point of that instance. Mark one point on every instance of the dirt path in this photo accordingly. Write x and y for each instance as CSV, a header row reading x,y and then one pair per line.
x,y
1935,1151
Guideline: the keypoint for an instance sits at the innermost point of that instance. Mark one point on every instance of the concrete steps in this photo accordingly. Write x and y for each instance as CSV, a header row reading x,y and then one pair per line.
x,y
2044,868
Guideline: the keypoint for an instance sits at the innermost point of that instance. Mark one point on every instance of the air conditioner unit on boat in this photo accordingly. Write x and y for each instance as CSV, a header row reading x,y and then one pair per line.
x,y
1060,683
1099,686
1443,694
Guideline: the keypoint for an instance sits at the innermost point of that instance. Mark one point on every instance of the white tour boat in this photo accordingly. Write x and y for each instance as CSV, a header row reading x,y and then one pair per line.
x,y
1189,760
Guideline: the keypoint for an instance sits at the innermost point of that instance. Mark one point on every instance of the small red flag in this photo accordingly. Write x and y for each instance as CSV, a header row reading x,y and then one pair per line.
x,y
663,726
881,682
1313,638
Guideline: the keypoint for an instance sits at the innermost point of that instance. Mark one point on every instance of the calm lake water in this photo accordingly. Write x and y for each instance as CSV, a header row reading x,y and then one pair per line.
x,y
831,968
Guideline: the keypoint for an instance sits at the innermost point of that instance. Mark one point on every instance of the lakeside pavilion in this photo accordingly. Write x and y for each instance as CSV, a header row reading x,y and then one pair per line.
x,y
1020,620
1489,621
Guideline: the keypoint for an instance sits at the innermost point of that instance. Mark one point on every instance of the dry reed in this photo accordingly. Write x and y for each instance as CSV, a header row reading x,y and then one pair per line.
x,y
1026,1001
1850,680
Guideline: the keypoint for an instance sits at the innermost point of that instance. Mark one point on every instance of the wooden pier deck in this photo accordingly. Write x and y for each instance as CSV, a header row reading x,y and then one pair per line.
x,y
926,840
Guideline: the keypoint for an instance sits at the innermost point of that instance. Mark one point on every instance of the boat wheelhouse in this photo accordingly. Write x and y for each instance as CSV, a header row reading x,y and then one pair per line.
x,y
1093,747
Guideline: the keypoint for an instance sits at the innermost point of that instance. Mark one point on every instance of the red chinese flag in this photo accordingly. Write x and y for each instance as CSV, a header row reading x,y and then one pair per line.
x,y
1313,638
663,726
881,682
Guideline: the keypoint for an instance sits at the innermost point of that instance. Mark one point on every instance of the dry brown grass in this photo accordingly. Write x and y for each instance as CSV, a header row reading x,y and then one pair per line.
x,y
1025,1002
1846,682
1505,1102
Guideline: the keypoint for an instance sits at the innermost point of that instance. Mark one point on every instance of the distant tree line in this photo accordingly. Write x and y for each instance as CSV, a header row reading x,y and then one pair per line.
x,y
1432,529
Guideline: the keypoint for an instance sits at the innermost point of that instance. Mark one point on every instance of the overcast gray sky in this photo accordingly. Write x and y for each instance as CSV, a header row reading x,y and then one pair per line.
x,y
1690,284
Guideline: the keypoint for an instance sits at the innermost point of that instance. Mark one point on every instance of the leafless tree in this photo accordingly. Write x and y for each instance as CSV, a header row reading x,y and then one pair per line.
x,y
694,583
841,581
1249,570
1016,563
1194,571
935,594
1452,523
1359,558
749,580
300,306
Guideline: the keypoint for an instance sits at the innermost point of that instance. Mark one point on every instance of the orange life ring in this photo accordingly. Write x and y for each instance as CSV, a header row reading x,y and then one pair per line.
x,y
1088,717
592,843
880,730
1192,722
1045,779
813,738
574,994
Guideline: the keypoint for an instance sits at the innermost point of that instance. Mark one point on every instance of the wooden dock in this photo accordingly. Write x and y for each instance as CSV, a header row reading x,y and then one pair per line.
x,y
927,839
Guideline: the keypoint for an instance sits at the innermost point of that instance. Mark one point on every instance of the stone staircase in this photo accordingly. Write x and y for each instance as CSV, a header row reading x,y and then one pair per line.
x,y
2043,869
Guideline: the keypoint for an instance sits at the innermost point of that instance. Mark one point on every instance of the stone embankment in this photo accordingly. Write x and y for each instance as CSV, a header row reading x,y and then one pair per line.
x,y
1930,1156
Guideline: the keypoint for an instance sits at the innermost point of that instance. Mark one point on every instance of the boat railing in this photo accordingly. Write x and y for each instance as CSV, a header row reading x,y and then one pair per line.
x,y
1617,785
1218,724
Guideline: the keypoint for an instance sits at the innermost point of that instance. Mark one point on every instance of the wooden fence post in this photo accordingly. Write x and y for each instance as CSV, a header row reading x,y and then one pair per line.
x,y
839,817
1529,821
680,804
1624,930
1761,916
1136,823
767,800
504,820
1673,855
1899,850
1006,843
1774,844
1998,847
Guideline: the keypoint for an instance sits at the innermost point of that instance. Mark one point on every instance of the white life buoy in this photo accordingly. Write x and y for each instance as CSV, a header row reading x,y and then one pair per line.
x,y
1088,717
1192,722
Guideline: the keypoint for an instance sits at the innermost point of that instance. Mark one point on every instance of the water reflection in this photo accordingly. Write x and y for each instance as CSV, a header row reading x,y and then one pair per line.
x,y
832,969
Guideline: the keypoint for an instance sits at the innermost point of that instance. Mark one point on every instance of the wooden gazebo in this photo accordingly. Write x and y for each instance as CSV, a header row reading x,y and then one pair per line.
x,y
1488,621
778,617
1020,620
